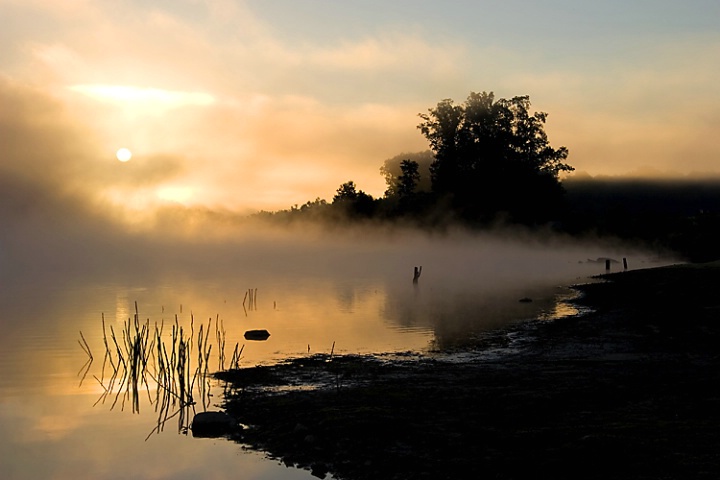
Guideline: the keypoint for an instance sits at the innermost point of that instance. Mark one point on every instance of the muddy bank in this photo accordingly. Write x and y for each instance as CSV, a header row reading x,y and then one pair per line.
x,y
629,391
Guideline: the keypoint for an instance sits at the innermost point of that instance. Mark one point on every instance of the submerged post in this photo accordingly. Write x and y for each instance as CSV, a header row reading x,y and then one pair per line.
x,y
624,263
416,276
607,264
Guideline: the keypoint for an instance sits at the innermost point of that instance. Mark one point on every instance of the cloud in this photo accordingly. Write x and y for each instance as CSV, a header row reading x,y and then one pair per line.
x,y
223,108
45,146
244,111
299,145
155,99
388,52
618,118
39,142
243,153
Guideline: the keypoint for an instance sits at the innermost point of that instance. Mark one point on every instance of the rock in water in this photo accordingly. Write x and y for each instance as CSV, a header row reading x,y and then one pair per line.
x,y
257,335
212,424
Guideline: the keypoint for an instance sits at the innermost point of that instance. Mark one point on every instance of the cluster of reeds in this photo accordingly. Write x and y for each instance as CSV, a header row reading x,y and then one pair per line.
x,y
251,299
220,335
142,356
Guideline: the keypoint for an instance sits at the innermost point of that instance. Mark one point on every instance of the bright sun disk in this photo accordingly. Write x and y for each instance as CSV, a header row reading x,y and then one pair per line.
x,y
123,154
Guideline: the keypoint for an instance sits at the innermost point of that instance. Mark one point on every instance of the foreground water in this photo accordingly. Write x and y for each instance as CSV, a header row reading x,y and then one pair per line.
x,y
62,418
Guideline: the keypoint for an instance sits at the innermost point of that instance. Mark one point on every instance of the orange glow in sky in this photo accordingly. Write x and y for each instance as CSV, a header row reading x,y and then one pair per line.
x,y
262,105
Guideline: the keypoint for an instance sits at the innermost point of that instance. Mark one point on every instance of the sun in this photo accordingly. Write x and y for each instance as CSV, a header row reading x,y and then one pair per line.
x,y
123,154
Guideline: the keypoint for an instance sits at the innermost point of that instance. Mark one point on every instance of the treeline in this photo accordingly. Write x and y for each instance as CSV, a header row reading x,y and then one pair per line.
x,y
490,163
681,215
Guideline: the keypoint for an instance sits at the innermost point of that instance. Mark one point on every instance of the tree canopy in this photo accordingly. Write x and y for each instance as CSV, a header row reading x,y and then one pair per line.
x,y
354,202
493,157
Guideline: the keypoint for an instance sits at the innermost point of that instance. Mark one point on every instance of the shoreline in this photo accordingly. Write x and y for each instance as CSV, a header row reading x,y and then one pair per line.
x,y
626,391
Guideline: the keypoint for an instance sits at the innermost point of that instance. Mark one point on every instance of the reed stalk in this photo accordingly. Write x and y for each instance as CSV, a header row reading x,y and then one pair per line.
x,y
84,370
85,345
235,360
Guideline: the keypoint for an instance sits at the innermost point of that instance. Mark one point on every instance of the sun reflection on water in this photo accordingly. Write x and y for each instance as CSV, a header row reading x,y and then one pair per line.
x,y
122,308
565,306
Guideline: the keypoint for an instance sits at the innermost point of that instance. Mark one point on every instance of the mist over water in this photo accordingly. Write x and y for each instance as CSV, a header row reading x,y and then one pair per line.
x,y
65,265
55,241
470,281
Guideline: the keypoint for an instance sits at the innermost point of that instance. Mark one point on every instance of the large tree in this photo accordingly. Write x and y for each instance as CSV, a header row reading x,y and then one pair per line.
x,y
493,157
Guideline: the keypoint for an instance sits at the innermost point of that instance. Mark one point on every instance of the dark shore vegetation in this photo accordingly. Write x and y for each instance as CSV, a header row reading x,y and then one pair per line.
x,y
490,163
628,391
680,215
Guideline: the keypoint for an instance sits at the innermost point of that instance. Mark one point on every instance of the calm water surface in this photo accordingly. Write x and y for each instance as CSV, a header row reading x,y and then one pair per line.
x,y
57,422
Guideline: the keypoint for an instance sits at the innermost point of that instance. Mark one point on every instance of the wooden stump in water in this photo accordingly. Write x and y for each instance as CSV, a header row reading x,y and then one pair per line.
x,y
416,276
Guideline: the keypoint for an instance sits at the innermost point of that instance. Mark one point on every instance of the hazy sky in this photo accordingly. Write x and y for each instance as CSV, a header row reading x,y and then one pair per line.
x,y
262,104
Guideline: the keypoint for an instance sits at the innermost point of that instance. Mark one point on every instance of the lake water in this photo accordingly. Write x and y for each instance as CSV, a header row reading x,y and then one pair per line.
x,y
61,418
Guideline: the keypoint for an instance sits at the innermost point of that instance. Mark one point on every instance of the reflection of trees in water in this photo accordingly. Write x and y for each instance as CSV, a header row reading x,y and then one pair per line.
x,y
349,295
459,318
143,360
345,295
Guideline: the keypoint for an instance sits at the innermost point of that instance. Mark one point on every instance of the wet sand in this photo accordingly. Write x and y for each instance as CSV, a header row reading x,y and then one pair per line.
x,y
628,391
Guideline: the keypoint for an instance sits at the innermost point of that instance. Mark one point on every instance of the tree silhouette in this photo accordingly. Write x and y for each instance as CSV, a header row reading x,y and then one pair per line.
x,y
352,201
391,170
493,157
408,180
347,192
